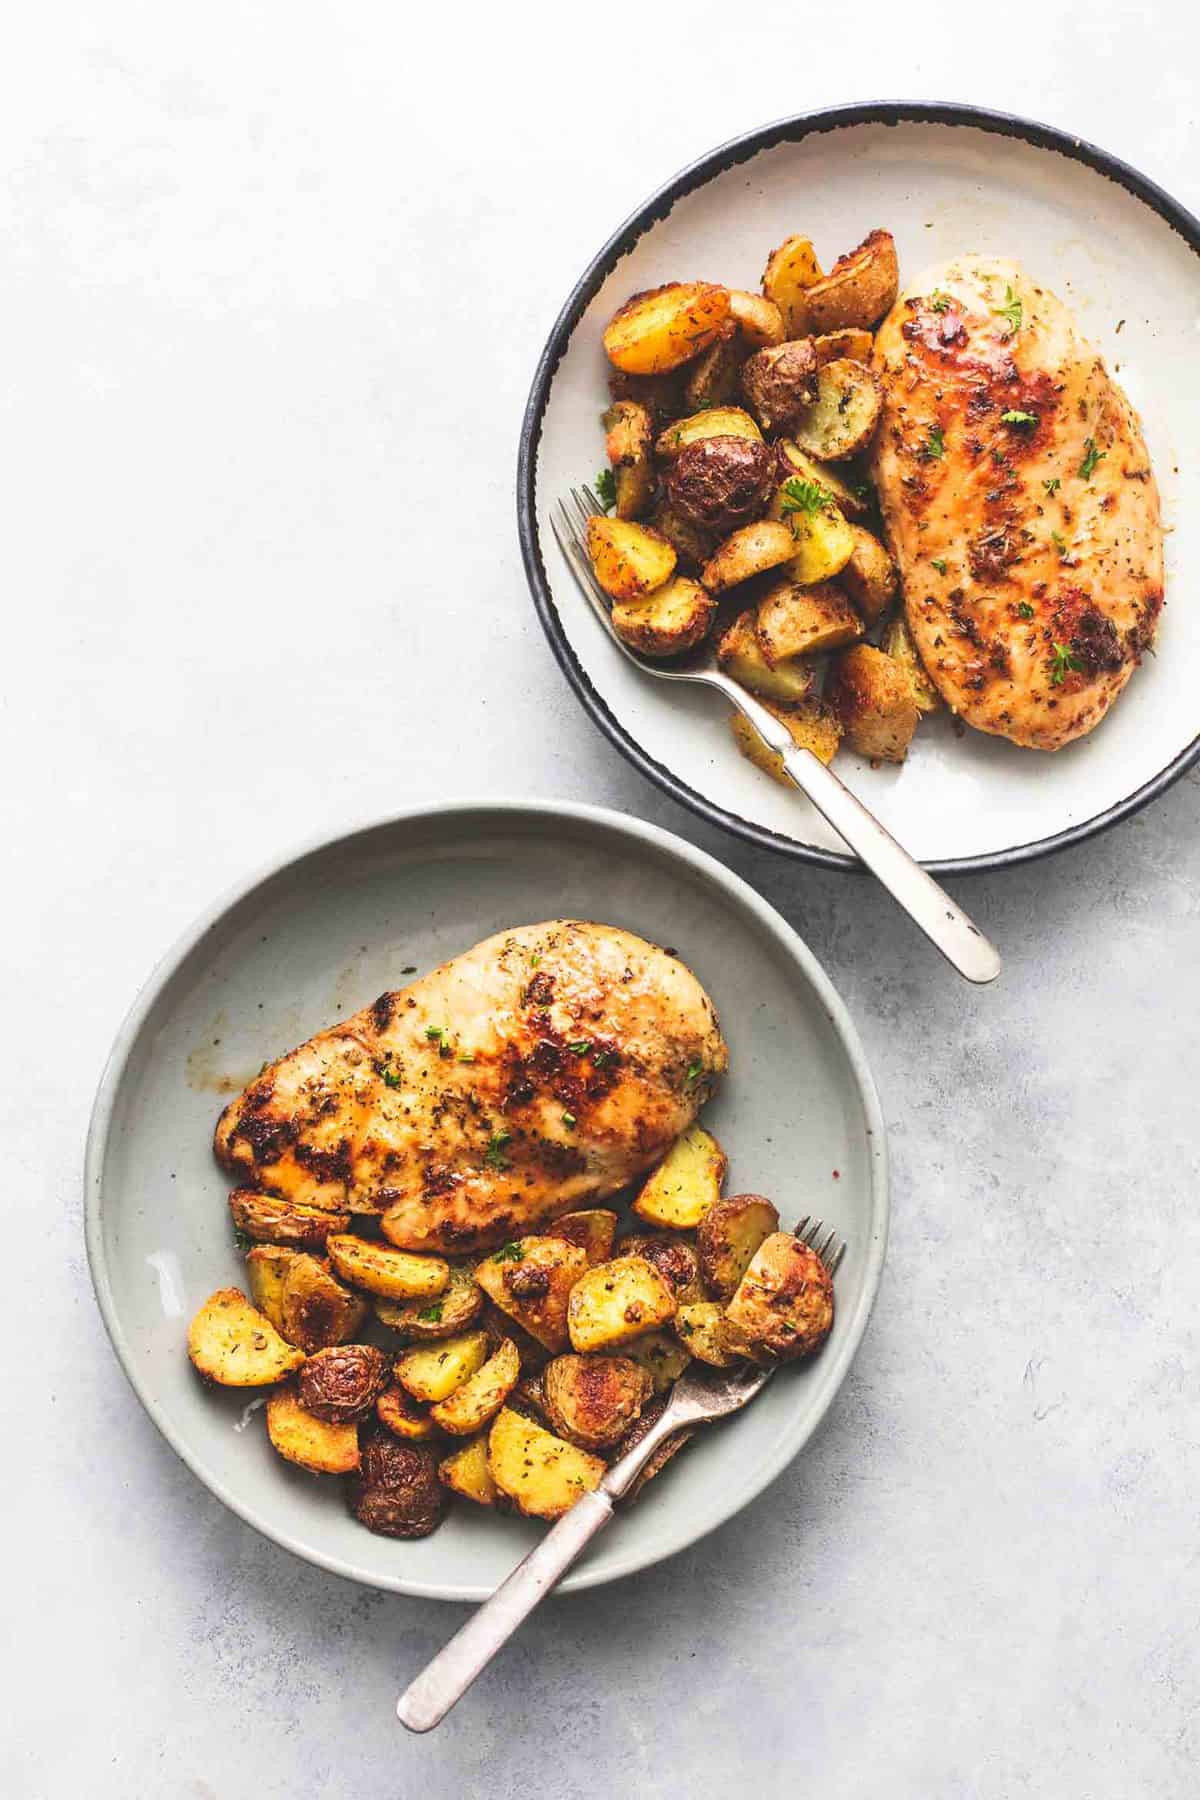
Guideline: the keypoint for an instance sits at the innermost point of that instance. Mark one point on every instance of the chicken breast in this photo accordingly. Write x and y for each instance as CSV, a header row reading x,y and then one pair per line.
x,y
1019,501
540,1071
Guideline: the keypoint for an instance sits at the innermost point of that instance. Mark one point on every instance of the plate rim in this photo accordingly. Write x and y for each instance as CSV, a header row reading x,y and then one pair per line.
x,y
732,1497
794,129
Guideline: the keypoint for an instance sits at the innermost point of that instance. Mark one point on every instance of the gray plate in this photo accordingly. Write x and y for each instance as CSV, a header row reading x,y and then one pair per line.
x,y
322,933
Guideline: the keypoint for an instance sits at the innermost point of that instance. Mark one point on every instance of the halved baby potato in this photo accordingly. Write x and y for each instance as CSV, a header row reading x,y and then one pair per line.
x,y
465,1471
451,1311
532,1281
541,1474
593,1230
713,377
662,1355
666,326
285,1222
231,1342
804,621
728,1237
403,1417
701,1326
629,560
616,1302
758,319
692,543
750,550
473,1405
873,697
783,1307
673,1256
629,446
312,1443
810,724
395,1274
740,655
854,502
824,541
714,421
859,289
831,346
791,270
593,1400
780,382
267,1267
869,576
433,1371
674,618
316,1309
898,644
842,418
685,1184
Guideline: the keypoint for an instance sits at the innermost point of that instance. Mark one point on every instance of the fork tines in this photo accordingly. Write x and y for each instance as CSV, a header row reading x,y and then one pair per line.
x,y
818,1236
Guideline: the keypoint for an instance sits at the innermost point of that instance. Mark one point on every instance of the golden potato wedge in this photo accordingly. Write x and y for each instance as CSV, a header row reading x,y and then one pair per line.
x,y
675,1258
869,577
713,377
660,1457
750,550
459,1305
662,1355
629,560
811,724
432,1372
727,1238
832,346
693,544
758,319
783,1306
532,1281
629,446
465,1471
804,621
780,383
791,270
397,1409
231,1342
714,421
316,1309
540,1473
594,1231
666,326
395,1274
673,619
616,1302
313,1443
852,499
476,1403
898,644
266,1271
285,1222
873,697
842,418
592,1401
858,290
824,541
740,655
701,1327
685,1184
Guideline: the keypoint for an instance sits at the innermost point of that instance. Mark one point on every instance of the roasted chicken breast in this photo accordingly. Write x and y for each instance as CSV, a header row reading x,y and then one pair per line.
x,y
542,1070
1019,500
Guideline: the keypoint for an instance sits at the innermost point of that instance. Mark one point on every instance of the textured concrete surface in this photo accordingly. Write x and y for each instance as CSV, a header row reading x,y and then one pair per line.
x,y
275,279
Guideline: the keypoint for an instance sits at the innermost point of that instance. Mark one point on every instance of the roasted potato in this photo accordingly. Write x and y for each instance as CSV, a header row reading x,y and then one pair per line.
x,y
660,1457
500,1325
758,319
396,1274
831,346
701,1327
719,483
594,1231
342,1384
693,547
592,1401
540,1473
804,621
780,383
325,1447
465,1471
666,326
661,395
673,1257
685,1184
316,1309
431,1372
449,1312
824,541
852,500
616,1302
531,1281
749,551
713,422
628,560
811,725
529,1395
396,1491
673,619
662,1356
898,644
629,446
713,377
403,1417
740,655
476,1403
285,1222
791,270
231,1342
266,1271
842,418
783,1306
869,576
728,1236
858,290
873,697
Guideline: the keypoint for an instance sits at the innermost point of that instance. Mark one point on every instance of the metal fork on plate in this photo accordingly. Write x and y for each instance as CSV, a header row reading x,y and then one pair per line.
x,y
696,1399
944,923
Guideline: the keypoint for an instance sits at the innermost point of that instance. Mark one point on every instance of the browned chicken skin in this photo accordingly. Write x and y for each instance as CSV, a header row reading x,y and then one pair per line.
x,y
1019,501
543,1069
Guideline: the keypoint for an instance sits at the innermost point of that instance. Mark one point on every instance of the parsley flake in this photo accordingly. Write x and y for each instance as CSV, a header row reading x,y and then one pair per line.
x,y
1012,310
494,1156
242,1239
466,1056
1063,659
1092,457
1018,418
1024,610
1059,542
939,302
390,1077
1052,486
606,488
808,497
431,1315
535,959
580,1047
939,563
568,1120
509,1252
435,1033
694,1072
934,447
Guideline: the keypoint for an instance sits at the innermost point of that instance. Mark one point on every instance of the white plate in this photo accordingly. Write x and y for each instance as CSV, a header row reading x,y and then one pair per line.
x,y
321,935
943,179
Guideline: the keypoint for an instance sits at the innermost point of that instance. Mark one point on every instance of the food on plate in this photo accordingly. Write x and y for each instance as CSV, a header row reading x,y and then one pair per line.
x,y
673,1256
316,1309
532,1280
395,1274
327,1447
759,320
703,1328
719,483
402,1415
342,1383
267,1266
844,412
831,346
662,1456
783,1307
811,724
741,655
869,576
629,560
713,377
232,1343
751,550
672,619
395,1490
662,1355
629,447
594,1231
616,1302
466,1471
686,1182
897,643
728,1237
541,1474
824,540
431,1372
285,1222
797,621
657,331
791,270
458,1305
592,1401
692,546
852,498
859,288
473,1405
780,384
874,700
697,428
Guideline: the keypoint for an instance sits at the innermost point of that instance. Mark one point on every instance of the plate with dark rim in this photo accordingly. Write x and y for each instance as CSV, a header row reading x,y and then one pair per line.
x,y
944,179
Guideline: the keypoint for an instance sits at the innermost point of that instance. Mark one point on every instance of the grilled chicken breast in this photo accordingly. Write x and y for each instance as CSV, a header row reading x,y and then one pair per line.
x,y
1020,503
542,1070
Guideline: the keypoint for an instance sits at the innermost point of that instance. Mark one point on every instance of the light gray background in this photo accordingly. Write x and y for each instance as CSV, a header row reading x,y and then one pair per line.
x,y
274,281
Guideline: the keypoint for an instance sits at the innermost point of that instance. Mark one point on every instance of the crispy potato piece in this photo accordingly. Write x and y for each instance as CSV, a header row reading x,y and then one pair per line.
x,y
465,1471
804,621
720,483
395,1490
661,395
342,1384
686,1182
780,383
616,1302
594,1231
714,421
396,1274
824,541
450,1312
869,576
529,1395
232,1343
873,697
476,1403
266,1271
629,561
727,1238
538,1471
784,1303
791,270
842,418
758,319
432,1372
629,446
593,1400
674,618
674,1258
693,544
898,644
532,1281
316,1309
701,1326
853,502
832,346
303,1438
403,1417
859,289
713,377
666,326
662,1356
748,551
811,724
740,655
500,1325
286,1222
662,1456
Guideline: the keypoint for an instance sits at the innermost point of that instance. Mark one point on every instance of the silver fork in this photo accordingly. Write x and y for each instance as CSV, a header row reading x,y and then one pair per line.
x,y
944,923
696,1399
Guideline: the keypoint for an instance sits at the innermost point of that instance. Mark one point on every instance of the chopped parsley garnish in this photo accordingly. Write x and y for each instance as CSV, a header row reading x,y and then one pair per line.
x,y
684,1327
602,1058
242,1239
1052,486
939,563
435,1033
467,1056
606,488
694,1072
934,447
1092,457
1018,418
1059,542
391,1077
493,1156
796,496
569,1120
431,1315
535,959
1012,310
580,1047
509,1252
1063,659
939,302
1024,610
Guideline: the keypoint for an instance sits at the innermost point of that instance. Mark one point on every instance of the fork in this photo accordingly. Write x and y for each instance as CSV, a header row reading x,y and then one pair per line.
x,y
695,1400
929,907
